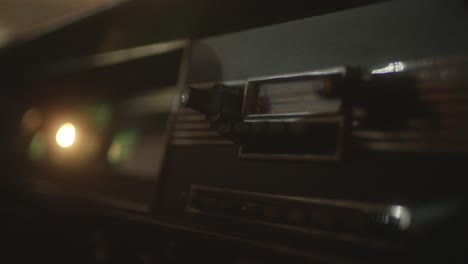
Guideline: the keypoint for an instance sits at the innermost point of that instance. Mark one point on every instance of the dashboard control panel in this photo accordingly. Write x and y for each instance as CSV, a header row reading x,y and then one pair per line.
x,y
258,137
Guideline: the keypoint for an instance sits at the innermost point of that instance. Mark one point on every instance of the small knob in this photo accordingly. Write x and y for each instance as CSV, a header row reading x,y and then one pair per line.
x,y
184,97
204,101
217,102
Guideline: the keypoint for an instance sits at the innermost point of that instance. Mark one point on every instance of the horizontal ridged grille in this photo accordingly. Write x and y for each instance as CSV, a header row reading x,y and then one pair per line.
x,y
192,128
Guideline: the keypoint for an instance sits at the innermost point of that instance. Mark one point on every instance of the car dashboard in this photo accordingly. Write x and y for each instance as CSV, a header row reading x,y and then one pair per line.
x,y
337,138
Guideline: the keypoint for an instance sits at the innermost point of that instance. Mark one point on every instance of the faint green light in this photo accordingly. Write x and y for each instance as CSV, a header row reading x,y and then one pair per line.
x,y
100,114
37,147
122,146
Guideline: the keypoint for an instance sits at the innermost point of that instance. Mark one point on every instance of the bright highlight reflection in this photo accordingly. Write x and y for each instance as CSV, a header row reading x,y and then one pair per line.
x,y
65,136
397,66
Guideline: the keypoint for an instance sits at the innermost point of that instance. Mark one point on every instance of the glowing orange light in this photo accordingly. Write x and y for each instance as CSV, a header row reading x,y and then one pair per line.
x,y
65,136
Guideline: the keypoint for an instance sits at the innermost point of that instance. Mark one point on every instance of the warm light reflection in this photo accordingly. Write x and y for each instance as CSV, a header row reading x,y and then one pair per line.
x,y
65,136
115,153
31,119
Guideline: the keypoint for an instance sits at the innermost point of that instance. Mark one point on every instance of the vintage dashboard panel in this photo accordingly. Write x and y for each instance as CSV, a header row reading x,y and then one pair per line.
x,y
339,138
275,143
